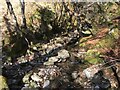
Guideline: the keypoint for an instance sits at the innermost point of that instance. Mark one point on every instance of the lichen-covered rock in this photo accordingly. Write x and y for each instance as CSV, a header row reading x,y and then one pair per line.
x,y
3,83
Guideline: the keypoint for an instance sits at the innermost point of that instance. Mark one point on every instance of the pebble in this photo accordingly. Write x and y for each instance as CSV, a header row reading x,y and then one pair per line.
x,y
74,75
58,45
53,59
24,88
36,78
48,63
46,83
63,54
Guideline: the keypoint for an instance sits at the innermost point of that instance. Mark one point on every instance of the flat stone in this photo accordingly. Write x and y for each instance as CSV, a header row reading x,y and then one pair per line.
x,y
58,45
53,59
90,72
48,63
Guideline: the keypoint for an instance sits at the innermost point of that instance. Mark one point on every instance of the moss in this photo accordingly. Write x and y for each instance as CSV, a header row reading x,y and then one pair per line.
x,y
92,56
106,42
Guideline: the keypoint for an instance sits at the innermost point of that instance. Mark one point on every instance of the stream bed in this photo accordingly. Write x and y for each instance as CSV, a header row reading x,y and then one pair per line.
x,y
56,65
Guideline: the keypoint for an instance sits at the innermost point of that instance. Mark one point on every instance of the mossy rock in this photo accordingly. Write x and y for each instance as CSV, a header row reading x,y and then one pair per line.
x,y
93,52
93,60
3,83
92,56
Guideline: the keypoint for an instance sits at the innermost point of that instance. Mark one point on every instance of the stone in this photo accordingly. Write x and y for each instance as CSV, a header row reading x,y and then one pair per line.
x,y
74,75
24,88
63,54
53,59
26,78
50,48
3,83
58,45
100,81
90,72
46,83
36,78
33,84
48,63
44,46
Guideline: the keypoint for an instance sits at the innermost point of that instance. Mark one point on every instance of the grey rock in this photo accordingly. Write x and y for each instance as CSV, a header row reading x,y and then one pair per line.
x,y
48,63
46,83
90,72
63,54
24,88
58,45
74,75
53,59
49,49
